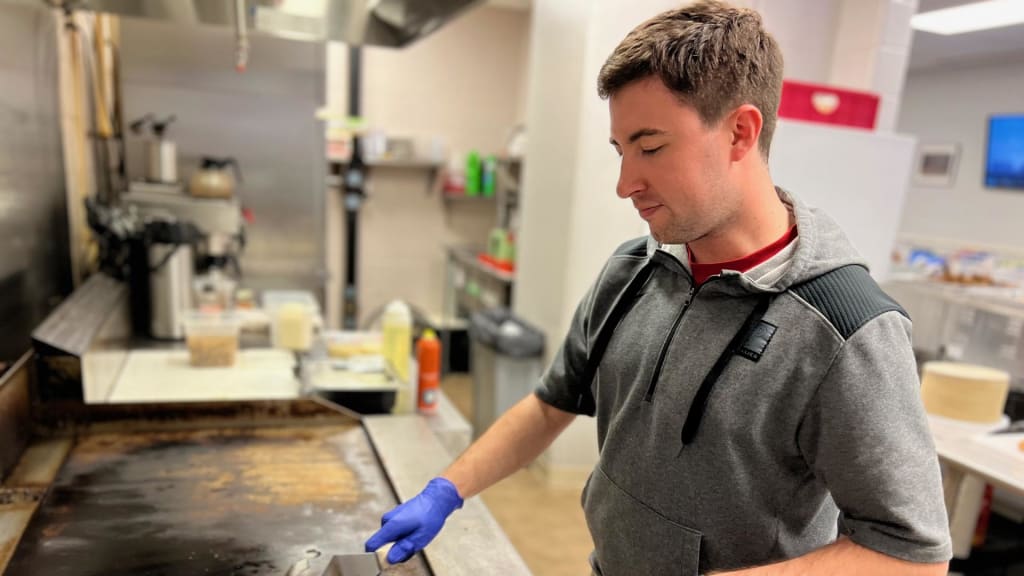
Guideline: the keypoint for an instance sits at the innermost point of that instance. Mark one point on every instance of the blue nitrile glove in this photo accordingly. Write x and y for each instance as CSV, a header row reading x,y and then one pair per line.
x,y
413,524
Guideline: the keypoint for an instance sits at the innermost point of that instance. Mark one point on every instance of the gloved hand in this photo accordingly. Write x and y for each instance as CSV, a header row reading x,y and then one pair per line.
x,y
413,524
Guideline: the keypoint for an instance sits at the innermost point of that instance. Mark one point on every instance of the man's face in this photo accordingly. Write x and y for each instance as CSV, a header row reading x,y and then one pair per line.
x,y
673,168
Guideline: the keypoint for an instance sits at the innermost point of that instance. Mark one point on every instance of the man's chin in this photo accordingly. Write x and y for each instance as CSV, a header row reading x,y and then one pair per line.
x,y
667,236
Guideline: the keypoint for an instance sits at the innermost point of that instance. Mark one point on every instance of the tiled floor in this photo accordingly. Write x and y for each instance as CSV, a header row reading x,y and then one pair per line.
x,y
544,523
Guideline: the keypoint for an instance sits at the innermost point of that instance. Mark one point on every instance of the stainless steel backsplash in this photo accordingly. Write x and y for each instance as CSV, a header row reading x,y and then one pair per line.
x,y
263,117
34,260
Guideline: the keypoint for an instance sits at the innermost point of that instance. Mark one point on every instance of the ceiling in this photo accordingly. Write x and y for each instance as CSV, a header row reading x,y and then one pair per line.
x,y
930,51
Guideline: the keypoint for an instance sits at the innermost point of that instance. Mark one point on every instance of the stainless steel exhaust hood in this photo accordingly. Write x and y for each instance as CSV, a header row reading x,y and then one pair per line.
x,y
393,23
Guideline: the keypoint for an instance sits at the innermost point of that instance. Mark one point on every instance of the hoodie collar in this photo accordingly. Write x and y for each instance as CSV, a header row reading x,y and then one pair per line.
x,y
821,247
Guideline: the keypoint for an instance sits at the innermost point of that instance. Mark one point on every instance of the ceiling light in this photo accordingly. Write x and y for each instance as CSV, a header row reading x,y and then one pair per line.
x,y
970,17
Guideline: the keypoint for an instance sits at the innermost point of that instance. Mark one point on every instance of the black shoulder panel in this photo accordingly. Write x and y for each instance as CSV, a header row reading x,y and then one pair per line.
x,y
848,297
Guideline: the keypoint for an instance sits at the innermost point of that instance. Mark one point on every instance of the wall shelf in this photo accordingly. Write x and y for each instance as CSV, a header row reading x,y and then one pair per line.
x,y
337,167
410,163
464,198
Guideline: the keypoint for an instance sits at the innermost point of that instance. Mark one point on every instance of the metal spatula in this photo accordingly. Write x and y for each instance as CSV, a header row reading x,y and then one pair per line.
x,y
340,565
353,565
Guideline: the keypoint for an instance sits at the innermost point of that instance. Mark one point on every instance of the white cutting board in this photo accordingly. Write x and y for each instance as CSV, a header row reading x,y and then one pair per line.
x,y
166,376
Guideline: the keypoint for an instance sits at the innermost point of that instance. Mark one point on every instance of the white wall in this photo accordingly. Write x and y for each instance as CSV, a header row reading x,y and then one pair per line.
x,y
807,49
463,84
558,34
872,48
857,177
953,106
558,37
856,37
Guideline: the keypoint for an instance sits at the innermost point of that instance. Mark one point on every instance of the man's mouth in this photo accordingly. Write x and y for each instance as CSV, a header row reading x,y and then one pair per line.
x,y
646,213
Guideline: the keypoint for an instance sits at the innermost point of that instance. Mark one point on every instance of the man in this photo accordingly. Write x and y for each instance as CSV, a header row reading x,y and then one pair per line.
x,y
754,388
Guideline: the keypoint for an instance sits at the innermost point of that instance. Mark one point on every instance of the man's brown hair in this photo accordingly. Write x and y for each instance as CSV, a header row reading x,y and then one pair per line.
x,y
714,56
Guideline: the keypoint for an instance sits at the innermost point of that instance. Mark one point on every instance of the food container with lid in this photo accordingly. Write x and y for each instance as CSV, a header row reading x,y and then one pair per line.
x,y
212,338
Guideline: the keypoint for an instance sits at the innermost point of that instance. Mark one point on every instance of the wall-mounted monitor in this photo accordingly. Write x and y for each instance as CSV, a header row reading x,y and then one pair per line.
x,y
1004,167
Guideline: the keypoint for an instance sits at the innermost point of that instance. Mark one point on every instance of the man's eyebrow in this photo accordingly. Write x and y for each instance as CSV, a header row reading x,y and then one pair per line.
x,y
640,134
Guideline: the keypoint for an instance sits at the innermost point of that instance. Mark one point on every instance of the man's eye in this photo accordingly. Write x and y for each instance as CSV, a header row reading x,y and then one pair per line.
x,y
650,151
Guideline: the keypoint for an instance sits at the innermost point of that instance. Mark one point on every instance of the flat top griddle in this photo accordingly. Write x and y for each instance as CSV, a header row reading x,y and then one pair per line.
x,y
238,501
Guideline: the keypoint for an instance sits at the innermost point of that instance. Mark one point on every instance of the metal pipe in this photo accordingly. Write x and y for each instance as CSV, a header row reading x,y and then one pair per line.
x,y
355,76
241,37
355,193
350,310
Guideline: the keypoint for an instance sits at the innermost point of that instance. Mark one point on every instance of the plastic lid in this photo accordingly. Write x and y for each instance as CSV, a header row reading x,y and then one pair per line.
x,y
398,309
502,331
429,334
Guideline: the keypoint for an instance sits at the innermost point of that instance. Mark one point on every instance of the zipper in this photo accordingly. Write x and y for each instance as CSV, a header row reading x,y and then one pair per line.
x,y
652,386
664,347
700,399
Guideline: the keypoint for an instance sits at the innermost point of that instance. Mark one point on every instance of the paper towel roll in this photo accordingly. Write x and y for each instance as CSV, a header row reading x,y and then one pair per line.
x,y
964,391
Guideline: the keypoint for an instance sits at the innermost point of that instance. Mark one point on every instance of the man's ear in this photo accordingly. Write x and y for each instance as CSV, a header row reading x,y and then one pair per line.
x,y
744,124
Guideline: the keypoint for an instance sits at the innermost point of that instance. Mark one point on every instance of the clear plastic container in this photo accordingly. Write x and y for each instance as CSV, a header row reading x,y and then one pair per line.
x,y
291,326
212,338
274,298
294,318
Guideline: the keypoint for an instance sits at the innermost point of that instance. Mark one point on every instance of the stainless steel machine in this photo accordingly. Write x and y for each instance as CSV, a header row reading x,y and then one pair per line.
x,y
180,240
169,268
161,152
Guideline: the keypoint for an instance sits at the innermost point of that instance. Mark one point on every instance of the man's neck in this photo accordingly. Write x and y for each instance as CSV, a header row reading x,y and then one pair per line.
x,y
762,220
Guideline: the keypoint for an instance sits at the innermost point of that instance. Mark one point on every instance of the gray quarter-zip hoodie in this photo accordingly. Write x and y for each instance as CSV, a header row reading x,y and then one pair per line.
x,y
742,423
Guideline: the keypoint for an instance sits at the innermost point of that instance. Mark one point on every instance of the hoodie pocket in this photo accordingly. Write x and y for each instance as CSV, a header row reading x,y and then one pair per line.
x,y
632,538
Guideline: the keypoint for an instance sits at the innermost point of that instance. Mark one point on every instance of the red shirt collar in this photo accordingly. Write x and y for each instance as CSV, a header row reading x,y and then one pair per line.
x,y
701,272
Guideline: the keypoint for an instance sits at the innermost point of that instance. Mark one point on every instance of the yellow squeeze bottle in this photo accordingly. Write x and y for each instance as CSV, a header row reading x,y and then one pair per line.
x,y
397,348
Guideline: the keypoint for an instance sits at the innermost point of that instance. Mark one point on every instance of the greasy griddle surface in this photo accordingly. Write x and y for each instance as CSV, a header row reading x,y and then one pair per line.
x,y
233,501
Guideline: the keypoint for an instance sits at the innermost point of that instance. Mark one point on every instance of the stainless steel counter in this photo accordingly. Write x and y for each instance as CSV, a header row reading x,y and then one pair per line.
x,y
471,543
